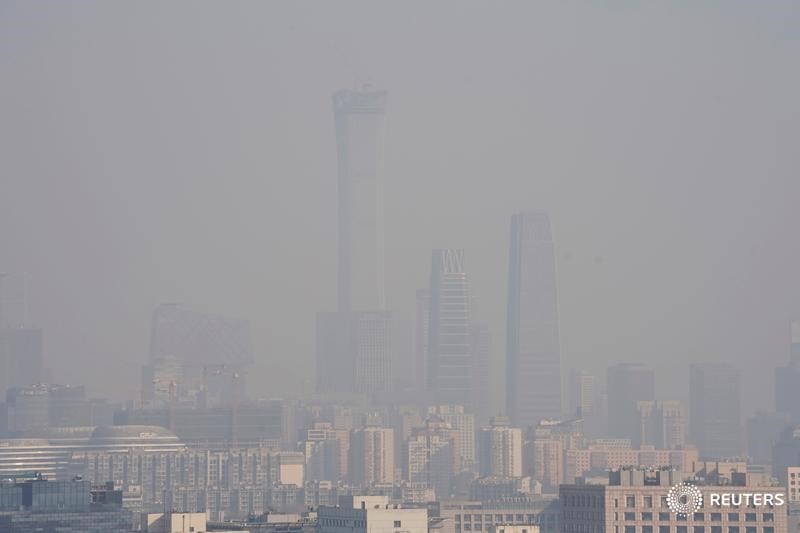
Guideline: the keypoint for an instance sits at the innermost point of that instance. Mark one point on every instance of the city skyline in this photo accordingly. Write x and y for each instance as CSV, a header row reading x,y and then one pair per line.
x,y
355,267
226,199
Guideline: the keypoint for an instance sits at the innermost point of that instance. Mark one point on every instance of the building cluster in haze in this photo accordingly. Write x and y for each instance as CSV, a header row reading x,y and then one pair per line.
x,y
402,432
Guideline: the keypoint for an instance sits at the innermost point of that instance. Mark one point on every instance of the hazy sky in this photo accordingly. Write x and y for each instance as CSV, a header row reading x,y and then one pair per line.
x,y
184,151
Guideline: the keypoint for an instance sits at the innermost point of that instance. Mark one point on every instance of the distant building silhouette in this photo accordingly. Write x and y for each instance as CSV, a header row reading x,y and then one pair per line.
x,y
787,380
714,413
450,358
662,424
628,384
533,360
421,340
196,357
354,344
354,351
21,345
359,118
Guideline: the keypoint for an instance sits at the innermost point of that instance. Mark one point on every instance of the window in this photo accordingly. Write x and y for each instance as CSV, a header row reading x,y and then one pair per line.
x,y
750,517
648,501
699,529
647,516
750,529
716,529
630,501
630,529
681,529
664,502
664,517
768,529
716,517
647,529
629,516
663,529
769,517
733,529
733,517
699,517
397,523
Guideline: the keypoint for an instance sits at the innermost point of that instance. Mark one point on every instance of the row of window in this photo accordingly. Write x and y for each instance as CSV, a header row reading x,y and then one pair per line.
x,y
695,529
497,518
698,517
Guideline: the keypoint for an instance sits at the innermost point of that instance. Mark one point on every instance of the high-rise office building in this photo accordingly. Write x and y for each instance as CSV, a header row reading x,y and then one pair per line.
x,y
480,342
354,346
582,394
354,351
628,384
422,323
714,411
434,456
533,364
500,449
662,423
322,449
787,380
463,424
359,118
763,431
21,347
372,455
450,358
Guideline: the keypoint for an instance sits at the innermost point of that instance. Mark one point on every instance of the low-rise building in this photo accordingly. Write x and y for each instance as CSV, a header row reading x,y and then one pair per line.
x,y
373,514
639,501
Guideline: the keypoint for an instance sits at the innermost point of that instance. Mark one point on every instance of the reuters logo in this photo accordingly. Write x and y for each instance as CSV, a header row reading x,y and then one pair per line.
x,y
684,499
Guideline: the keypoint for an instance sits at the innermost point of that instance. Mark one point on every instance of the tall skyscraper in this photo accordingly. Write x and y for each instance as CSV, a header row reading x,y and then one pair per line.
x,y
354,344
714,411
359,118
533,363
353,351
787,380
628,384
582,394
481,345
21,346
450,357
421,336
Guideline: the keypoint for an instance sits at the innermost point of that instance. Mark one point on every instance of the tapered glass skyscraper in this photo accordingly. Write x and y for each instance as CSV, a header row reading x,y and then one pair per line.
x,y
353,343
359,118
533,364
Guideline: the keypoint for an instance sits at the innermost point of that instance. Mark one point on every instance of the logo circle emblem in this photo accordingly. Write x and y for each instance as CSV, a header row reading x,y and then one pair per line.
x,y
684,499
